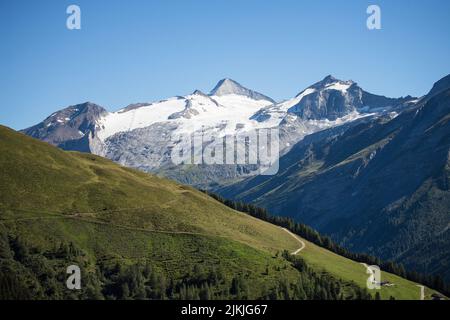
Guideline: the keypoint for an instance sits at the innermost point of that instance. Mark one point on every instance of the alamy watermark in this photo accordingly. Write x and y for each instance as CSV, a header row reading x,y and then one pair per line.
x,y
258,148
73,21
374,20
74,280
374,279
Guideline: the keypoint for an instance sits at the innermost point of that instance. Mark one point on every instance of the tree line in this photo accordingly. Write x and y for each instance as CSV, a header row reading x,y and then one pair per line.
x,y
27,272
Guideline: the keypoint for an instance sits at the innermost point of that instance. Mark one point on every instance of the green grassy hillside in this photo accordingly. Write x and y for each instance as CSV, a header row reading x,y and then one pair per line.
x,y
349,270
38,179
136,236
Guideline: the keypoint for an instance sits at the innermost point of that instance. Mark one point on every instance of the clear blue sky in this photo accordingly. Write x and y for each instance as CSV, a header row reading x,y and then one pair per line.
x,y
139,51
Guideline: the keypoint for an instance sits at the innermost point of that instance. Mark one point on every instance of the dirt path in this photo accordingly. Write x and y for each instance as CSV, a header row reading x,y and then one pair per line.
x,y
99,222
78,216
422,292
298,240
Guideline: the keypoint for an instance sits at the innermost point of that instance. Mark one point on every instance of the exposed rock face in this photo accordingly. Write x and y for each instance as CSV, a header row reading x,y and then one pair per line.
x,y
72,128
228,86
132,148
332,99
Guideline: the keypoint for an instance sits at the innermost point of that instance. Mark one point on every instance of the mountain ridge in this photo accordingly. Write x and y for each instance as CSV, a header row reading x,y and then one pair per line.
x,y
143,135
375,184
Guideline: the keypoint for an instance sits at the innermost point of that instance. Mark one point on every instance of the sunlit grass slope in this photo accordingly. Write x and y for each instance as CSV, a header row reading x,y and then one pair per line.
x,y
40,179
350,270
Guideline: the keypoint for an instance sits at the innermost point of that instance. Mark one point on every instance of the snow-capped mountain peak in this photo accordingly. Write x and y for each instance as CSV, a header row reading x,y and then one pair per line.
x,y
333,98
229,105
329,79
228,87
199,93
142,135
332,83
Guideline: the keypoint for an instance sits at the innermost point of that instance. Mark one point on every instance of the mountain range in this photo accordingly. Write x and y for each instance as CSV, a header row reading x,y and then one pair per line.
x,y
142,135
376,185
368,170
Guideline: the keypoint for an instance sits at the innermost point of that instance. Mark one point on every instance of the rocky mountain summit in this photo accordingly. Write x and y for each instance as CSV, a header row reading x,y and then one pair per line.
x,y
143,135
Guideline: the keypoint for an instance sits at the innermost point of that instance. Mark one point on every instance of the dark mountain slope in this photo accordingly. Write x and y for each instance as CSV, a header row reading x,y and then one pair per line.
x,y
377,186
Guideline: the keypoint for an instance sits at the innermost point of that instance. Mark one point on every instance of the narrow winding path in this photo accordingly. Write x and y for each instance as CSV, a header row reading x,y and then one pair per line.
x,y
422,292
298,240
